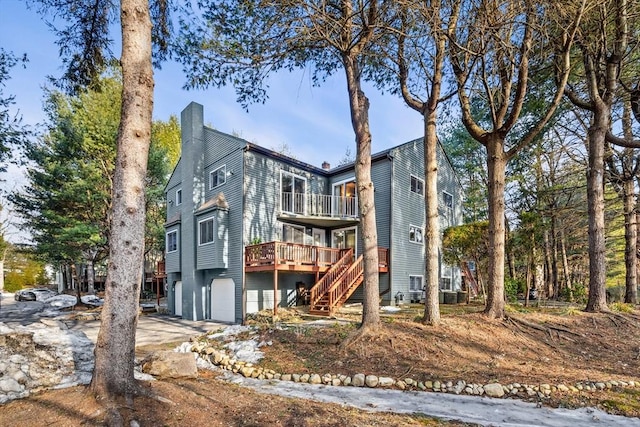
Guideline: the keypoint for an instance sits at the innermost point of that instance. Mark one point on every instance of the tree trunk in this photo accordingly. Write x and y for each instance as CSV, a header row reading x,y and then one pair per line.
x,y
115,347
595,201
91,277
496,164
554,259
359,107
631,240
548,284
432,228
3,256
565,263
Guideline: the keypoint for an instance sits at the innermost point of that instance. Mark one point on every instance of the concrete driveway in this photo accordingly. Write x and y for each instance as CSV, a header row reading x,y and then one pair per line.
x,y
153,328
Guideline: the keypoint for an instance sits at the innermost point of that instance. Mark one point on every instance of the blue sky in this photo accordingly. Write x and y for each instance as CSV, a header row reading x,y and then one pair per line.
x,y
313,121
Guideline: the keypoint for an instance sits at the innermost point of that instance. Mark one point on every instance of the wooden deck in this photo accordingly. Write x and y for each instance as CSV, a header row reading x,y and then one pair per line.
x,y
284,256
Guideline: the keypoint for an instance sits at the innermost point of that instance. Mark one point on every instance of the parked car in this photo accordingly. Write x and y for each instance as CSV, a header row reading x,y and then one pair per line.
x,y
533,294
34,294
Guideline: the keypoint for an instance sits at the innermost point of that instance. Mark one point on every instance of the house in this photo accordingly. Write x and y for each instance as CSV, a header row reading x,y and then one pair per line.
x,y
251,229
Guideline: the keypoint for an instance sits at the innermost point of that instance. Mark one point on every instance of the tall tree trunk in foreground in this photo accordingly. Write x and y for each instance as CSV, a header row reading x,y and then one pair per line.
x,y
595,203
631,241
359,107
496,162
115,348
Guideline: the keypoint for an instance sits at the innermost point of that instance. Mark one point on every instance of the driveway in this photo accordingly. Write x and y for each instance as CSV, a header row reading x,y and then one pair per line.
x,y
152,328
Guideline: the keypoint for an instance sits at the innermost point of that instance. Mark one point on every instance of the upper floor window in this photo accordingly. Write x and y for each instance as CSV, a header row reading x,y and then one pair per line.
x,y
447,200
172,241
417,185
293,189
415,234
179,196
205,228
217,177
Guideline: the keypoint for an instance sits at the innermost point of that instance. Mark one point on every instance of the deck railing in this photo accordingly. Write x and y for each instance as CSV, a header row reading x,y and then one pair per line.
x,y
319,205
280,253
276,253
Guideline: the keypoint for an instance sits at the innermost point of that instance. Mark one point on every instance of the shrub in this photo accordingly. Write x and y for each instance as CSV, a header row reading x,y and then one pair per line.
x,y
512,287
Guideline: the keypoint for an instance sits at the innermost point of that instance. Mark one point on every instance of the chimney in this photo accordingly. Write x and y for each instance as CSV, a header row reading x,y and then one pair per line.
x,y
326,166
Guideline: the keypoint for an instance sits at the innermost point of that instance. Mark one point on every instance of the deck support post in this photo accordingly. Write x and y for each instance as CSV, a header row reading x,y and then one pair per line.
x,y
275,292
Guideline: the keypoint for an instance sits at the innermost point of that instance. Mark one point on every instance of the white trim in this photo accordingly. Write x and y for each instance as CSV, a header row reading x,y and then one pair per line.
x,y
178,196
166,247
344,181
199,230
293,186
335,208
298,227
333,240
421,282
421,242
224,174
443,199
418,179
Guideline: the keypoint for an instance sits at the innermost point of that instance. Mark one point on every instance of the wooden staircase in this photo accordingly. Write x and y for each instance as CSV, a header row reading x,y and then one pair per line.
x,y
337,285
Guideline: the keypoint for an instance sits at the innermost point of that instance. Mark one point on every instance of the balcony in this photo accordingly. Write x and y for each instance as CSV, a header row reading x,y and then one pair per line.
x,y
284,256
320,210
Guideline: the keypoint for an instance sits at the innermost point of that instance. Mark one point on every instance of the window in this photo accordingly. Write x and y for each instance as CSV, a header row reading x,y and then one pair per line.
x,y
415,283
179,196
345,201
293,234
217,177
447,199
445,279
172,241
445,283
415,288
417,185
293,189
206,231
415,234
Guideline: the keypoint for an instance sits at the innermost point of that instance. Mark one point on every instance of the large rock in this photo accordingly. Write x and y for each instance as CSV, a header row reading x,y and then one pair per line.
x,y
493,390
169,364
358,380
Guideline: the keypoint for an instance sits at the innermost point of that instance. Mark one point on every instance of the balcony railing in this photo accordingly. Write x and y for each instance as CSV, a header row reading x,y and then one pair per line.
x,y
319,205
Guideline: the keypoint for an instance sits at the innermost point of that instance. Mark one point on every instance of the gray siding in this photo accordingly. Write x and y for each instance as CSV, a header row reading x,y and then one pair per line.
x,y
222,149
213,255
172,259
407,258
262,195
381,178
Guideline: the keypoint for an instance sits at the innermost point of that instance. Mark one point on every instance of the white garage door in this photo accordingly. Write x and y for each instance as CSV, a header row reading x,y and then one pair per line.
x,y
177,298
223,300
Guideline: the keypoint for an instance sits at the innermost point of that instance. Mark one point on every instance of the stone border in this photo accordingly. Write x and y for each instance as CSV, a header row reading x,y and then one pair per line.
x,y
222,360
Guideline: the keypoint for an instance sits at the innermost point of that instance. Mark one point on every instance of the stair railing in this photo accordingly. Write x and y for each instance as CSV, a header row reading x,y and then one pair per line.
x,y
323,285
344,284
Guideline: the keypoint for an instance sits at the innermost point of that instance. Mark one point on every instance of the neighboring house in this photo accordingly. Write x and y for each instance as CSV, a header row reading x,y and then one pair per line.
x,y
248,228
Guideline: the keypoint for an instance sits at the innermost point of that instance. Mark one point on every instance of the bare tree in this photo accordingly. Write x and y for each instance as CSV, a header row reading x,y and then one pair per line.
x,y
497,51
604,48
417,57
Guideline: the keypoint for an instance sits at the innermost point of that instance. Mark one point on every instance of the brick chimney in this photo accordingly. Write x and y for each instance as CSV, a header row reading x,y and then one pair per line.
x,y
326,166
